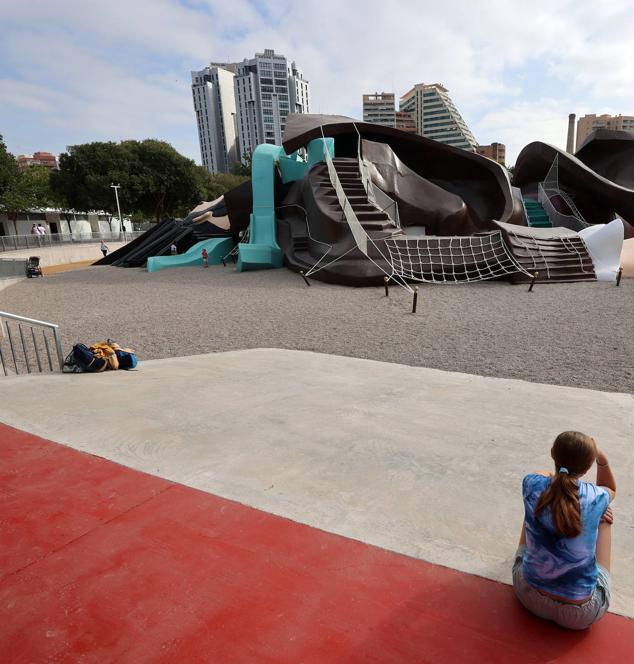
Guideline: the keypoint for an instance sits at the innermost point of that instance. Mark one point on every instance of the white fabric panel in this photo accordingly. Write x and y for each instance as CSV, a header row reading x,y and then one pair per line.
x,y
605,243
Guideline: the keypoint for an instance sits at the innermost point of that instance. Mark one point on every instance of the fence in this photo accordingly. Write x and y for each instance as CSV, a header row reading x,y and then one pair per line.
x,y
15,242
12,267
25,351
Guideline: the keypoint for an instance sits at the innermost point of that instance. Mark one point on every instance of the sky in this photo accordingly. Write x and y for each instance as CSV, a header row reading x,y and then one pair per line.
x,y
75,71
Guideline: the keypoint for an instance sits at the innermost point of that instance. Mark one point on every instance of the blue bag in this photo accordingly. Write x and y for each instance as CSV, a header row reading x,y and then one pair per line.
x,y
127,359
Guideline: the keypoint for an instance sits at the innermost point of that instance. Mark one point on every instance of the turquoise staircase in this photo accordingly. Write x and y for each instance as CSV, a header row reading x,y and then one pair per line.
x,y
537,217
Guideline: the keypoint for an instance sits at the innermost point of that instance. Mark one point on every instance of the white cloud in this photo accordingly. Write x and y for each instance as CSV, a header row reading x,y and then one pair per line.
x,y
121,69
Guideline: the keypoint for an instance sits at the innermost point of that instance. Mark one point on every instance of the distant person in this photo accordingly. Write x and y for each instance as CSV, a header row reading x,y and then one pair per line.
x,y
173,249
104,248
562,565
41,229
205,258
34,230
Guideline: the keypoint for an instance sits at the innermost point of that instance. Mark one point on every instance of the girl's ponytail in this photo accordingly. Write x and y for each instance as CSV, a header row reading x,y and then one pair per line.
x,y
562,498
573,453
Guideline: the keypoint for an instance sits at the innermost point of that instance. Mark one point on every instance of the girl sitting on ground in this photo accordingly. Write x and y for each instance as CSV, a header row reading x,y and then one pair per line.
x,y
562,566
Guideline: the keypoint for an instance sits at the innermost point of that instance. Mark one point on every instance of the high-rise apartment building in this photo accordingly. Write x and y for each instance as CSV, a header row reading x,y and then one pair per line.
x,y
589,123
215,107
266,91
435,116
495,151
378,108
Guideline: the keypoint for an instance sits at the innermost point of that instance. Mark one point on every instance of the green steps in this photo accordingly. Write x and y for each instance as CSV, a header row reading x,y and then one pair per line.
x,y
537,217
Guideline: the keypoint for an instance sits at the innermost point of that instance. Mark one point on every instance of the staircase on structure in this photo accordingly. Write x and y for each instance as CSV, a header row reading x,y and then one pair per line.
x,y
537,217
370,217
558,254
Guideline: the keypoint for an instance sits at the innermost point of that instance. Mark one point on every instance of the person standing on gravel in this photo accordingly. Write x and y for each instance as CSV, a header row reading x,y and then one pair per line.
x,y
205,258
104,248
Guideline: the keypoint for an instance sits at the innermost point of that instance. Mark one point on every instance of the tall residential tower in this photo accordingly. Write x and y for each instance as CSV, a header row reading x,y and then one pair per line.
x,y
266,91
435,116
215,106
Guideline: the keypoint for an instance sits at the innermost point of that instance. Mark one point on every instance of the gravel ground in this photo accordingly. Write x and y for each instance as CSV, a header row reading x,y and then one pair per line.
x,y
564,334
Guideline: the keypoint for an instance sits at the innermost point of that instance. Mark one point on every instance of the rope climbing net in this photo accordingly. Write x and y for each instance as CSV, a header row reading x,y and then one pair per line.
x,y
451,259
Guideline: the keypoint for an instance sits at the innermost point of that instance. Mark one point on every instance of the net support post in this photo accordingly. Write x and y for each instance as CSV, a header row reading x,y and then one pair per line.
x,y
304,277
415,300
619,274
533,280
386,282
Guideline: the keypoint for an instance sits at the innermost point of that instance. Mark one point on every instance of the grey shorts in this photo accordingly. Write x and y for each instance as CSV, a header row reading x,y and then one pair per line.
x,y
571,616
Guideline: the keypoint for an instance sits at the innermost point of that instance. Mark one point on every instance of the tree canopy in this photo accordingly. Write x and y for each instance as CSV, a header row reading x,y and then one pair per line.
x,y
156,181
23,189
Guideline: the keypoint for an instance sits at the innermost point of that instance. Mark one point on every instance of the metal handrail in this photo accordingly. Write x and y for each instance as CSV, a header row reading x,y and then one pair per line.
x,y
31,323
30,241
556,217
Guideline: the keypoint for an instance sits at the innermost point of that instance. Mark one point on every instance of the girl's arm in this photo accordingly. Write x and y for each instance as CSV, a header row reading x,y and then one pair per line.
x,y
605,478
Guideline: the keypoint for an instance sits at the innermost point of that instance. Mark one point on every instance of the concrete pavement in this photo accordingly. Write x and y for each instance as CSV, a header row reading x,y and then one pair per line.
x,y
419,461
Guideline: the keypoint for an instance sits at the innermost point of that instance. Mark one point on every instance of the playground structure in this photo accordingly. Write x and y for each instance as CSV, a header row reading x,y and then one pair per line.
x,y
355,203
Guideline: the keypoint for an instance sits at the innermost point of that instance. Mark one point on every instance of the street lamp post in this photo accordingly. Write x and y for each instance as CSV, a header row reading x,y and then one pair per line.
x,y
116,194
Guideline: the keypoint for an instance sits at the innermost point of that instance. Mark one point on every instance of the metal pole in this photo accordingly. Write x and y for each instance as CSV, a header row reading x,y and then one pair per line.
x,y
415,300
533,280
116,194
15,362
58,344
304,277
386,281
48,350
37,352
26,355
618,276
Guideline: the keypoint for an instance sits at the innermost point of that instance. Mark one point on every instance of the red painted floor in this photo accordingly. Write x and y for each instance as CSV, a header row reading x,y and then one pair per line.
x,y
100,563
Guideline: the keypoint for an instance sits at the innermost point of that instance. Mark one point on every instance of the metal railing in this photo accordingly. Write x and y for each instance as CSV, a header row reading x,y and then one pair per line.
x,y
359,234
16,242
24,350
557,218
376,196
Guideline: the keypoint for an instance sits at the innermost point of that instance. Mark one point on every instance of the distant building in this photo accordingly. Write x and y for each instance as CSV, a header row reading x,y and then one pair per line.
x,y
378,108
589,123
266,91
436,116
404,122
38,159
215,107
495,151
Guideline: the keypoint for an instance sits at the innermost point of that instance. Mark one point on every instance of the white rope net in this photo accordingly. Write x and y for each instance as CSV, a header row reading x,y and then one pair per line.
x,y
451,259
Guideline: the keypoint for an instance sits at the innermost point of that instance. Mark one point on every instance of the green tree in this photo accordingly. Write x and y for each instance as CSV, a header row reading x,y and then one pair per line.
x,y
25,189
217,184
30,190
155,179
9,175
243,167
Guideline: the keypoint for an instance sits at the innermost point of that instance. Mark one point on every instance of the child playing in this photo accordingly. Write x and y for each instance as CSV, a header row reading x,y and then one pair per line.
x,y
205,258
562,565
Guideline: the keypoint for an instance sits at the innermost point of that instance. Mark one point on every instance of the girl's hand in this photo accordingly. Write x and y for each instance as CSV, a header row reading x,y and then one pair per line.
x,y
608,517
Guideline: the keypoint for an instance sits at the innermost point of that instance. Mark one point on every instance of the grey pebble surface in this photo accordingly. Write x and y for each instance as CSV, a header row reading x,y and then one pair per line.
x,y
576,334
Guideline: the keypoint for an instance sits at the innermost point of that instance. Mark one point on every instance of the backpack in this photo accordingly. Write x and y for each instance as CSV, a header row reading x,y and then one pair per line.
x,y
86,359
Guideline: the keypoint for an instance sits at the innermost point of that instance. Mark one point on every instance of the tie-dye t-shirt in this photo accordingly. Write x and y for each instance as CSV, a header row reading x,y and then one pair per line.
x,y
562,566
